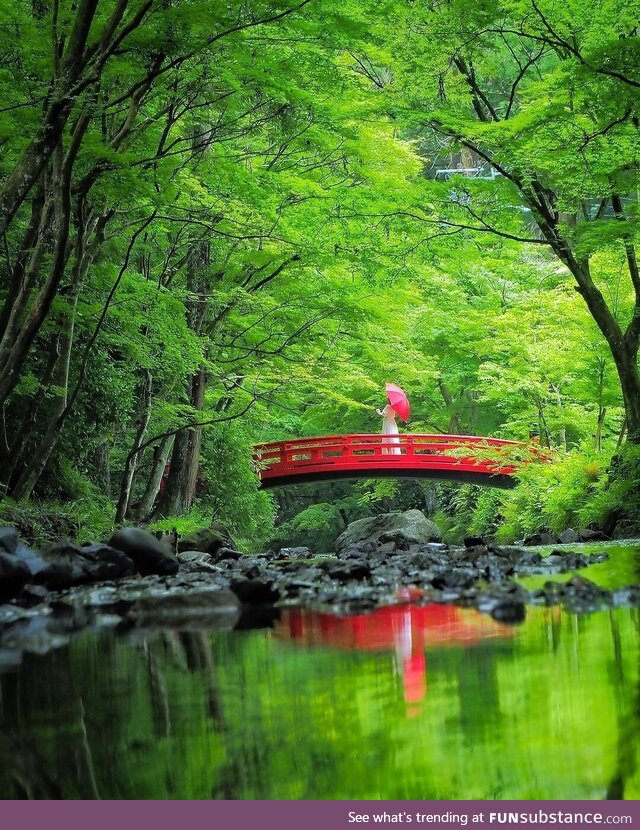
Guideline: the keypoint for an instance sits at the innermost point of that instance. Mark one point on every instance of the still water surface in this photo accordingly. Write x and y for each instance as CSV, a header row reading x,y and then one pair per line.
x,y
407,703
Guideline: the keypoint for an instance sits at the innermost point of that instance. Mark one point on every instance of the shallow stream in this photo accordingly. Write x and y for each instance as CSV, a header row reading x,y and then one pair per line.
x,y
433,702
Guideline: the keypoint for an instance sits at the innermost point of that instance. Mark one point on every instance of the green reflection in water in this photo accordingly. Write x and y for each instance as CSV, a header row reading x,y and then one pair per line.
x,y
550,709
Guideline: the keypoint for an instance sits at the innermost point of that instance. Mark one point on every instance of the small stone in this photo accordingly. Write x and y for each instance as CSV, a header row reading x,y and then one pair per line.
x,y
195,556
226,553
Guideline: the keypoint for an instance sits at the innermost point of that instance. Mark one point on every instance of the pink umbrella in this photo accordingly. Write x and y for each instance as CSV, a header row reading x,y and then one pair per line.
x,y
398,400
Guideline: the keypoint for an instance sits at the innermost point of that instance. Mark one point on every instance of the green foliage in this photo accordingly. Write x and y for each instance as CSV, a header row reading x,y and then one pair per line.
x,y
229,486
40,523
565,493
579,489
194,520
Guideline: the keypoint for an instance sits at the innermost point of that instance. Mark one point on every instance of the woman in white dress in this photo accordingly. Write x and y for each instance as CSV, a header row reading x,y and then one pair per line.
x,y
389,427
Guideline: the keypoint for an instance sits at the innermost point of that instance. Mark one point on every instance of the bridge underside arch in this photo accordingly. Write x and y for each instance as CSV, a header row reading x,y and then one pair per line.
x,y
500,480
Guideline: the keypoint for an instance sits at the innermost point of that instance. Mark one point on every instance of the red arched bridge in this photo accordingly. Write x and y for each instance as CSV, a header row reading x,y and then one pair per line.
x,y
466,458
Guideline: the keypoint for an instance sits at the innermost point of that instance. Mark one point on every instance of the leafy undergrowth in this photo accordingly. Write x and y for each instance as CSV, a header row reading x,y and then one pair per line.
x,y
578,490
39,523
183,525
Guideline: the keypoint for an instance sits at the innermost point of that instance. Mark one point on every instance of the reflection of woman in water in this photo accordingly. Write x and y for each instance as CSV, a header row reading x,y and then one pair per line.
x,y
389,427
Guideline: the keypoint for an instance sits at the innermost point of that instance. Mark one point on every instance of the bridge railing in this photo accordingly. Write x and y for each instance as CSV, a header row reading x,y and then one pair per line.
x,y
466,452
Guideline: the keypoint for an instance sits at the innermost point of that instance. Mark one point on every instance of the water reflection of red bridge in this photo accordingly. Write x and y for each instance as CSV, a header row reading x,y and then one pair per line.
x,y
407,630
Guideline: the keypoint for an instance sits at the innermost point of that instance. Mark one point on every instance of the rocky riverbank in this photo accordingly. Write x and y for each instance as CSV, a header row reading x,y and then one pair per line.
x,y
136,581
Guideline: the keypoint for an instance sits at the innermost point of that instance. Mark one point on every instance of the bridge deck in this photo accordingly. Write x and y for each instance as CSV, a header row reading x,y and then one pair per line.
x,y
487,461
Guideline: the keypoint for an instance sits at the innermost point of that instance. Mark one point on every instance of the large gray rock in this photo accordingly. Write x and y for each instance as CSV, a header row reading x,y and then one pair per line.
x,y
67,563
10,543
408,528
626,530
148,554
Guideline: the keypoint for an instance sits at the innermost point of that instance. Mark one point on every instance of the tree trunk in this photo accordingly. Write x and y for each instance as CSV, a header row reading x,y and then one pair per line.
x,y
180,490
85,254
102,475
627,367
12,453
132,459
32,472
144,508
447,397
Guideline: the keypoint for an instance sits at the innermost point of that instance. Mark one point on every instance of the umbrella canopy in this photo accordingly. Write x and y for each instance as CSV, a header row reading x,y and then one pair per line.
x,y
398,400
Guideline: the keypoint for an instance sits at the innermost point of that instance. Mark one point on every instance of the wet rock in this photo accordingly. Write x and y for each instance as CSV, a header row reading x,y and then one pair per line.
x,y
509,611
528,564
255,591
106,562
626,530
148,554
300,552
346,571
13,574
406,528
195,557
33,594
573,561
34,561
208,540
587,535
580,594
473,554
70,564
540,539
553,593
194,561
58,566
250,569
494,569
626,596
10,614
169,540
226,553
454,579
266,554
568,536
474,541
423,561
199,606
358,551
8,539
